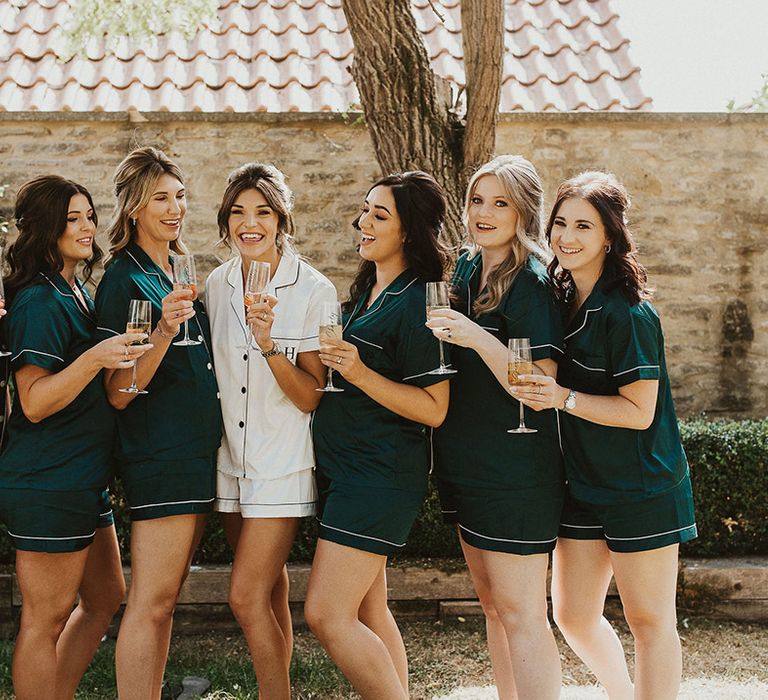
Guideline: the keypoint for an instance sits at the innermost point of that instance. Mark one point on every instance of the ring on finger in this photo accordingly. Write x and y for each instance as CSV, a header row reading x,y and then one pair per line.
x,y
125,347
338,360
449,334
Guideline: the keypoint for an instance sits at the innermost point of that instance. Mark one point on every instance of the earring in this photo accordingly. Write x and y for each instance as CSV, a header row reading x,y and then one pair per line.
x,y
133,221
608,248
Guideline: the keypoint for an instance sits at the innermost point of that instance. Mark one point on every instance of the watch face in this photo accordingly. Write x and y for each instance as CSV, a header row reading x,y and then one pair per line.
x,y
570,402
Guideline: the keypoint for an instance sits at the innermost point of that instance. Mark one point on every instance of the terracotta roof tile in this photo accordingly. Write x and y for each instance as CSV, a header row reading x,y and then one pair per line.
x,y
293,55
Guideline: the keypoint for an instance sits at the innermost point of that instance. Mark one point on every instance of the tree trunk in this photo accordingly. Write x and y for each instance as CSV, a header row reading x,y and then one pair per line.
x,y
408,108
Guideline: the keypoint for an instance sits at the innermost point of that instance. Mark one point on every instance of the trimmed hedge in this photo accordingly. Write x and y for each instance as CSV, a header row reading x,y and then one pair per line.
x,y
729,469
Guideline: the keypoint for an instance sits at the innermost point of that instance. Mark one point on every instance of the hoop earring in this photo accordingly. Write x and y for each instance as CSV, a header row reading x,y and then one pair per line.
x,y
608,248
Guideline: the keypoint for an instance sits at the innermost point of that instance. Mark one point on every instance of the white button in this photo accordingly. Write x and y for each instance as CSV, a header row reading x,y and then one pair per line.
x,y
200,338
209,366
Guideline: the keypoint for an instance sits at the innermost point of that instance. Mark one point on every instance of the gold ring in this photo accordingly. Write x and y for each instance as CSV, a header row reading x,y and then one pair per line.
x,y
338,360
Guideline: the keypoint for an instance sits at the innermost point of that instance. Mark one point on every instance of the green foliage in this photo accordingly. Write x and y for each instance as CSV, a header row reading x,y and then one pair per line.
x,y
138,20
758,103
729,470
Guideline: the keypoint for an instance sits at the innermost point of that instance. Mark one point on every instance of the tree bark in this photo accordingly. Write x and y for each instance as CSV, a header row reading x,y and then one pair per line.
x,y
407,107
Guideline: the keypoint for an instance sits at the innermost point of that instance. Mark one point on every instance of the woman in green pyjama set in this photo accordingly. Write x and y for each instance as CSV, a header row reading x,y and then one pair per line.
x,y
57,460
371,441
629,503
167,438
503,491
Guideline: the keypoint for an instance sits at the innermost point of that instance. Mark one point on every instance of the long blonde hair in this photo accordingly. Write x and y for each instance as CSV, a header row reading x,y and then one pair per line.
x,y
522,187
134,180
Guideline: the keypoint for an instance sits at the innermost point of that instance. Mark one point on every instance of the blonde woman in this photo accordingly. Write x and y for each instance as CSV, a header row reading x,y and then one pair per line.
x,y
504,491
168,437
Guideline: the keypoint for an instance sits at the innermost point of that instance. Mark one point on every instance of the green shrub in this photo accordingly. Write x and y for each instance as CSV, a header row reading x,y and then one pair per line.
x,y
729,469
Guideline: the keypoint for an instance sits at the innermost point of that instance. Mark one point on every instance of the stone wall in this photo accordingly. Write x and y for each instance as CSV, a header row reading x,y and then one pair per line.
x,y
699,186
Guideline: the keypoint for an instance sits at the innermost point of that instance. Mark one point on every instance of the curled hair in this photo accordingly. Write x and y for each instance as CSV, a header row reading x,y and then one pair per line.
x,y
135,180
522,188
621,267
41,219
270,182
421,207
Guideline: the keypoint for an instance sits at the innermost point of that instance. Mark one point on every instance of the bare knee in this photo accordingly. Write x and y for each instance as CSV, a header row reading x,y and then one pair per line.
x,y
517,618
249,605
649,623
325,621
47,621
573,620
157,606
106,604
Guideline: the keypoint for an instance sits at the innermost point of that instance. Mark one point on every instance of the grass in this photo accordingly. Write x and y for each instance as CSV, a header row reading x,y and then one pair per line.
x,y
444,657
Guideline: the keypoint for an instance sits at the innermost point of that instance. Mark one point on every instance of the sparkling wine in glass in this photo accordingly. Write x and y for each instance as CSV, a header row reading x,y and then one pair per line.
x,y
139,321
519,362
184,277
3,353
256,282
438,300
330,329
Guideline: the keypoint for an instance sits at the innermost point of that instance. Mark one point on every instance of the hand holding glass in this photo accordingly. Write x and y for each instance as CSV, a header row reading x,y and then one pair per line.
x,y
184,277
438,300
519,362
139,321
330,329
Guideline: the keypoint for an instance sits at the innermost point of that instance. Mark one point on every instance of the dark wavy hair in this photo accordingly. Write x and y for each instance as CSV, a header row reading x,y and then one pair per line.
x,y
611,200
41,219
268,180
421,206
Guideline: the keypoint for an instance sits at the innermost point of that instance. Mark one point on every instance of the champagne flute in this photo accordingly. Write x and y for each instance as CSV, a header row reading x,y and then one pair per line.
x,y
255,283
3,353
519,362
330,329
437,301
184,277
139,321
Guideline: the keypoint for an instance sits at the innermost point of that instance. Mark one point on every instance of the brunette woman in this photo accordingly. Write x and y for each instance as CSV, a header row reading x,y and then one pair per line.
x,y
371,440
57,462
629,500
269,373
167,437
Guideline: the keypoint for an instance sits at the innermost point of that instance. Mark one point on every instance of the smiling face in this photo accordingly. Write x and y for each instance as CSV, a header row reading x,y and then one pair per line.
x,y
76,243
160,219
253,226
491,217
578,238
381,232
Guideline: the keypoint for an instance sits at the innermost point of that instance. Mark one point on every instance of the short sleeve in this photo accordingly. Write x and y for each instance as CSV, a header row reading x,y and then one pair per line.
x,y
531,312
38,335
112,301
418,354
634,348
322,292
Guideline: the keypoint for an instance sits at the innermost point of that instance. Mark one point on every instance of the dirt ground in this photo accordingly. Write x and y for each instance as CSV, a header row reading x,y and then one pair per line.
x,y
721,660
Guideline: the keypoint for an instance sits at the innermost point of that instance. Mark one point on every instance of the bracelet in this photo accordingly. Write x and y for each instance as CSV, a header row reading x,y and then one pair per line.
x,y
164,335
275,350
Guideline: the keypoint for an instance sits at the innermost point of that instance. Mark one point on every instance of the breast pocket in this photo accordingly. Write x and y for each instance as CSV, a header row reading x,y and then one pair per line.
x,y
373,353
592,372
289,337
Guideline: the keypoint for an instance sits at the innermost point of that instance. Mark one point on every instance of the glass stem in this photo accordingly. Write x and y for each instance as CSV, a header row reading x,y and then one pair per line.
x,y
442,355
133,381
186,330
522,417
330,378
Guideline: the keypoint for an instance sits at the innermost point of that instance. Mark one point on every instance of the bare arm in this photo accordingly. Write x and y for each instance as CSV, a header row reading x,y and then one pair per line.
x,y
634,407
43,393
299,382
428,405
454,327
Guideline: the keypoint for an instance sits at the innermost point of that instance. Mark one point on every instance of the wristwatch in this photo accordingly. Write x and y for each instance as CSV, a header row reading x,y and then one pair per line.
x,y
570,401
276,350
